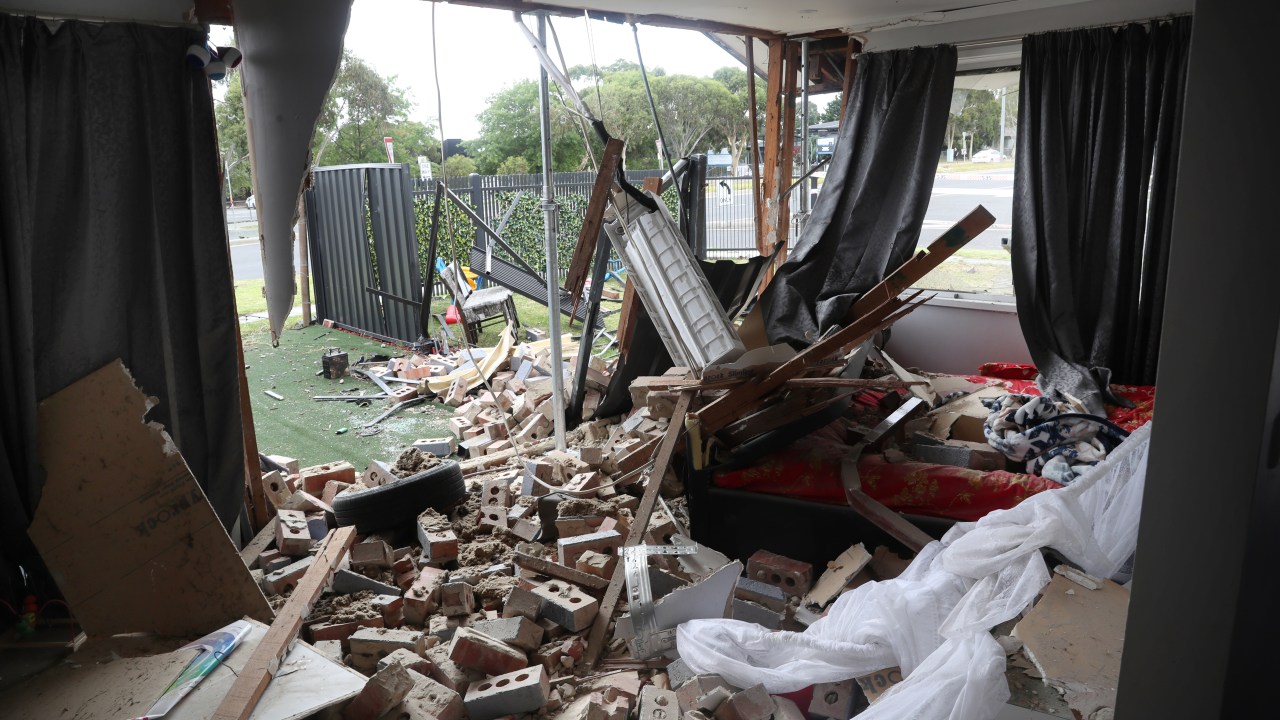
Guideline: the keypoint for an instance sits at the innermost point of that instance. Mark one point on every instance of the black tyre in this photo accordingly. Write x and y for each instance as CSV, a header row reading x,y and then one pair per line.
x,y
390,506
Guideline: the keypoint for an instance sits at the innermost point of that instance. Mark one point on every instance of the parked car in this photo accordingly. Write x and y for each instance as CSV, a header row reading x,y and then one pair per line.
x,y
989,155
250,203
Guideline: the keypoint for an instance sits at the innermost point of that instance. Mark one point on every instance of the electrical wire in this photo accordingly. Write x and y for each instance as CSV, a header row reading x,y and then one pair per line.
x,y
653,108
595,66
582,118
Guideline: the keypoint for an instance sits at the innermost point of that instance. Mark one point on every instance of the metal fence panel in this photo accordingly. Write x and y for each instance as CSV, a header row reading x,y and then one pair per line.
x,y
340,248
396,246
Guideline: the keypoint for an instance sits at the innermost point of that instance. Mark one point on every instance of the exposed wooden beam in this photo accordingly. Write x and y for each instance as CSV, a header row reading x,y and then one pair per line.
x,y
576,278
772,175
755,141
265,662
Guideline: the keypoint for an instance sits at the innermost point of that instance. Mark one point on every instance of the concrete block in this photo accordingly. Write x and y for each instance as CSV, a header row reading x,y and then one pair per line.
x,y
834,699
787,710
522,691
276,489
313,479
409,659
598,564
678,673
292,536
369,645
475,650
566,605
694,688
290,464
458,427
524,603
317,526
440,447
438,546
346,582
370,554
658,704
712,700
287,577
445,671
606,543
385,690
429,700
761,593
518,632
272,560
457,598
391,607
791,576
754,703
423,597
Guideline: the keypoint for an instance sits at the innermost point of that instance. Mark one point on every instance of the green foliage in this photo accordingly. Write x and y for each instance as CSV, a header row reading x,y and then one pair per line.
x,y
458,166
509,127
514,165
980,117
832,111
735,129
232,139
362,108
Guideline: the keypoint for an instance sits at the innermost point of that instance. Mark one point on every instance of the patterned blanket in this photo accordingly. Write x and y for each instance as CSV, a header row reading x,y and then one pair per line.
x,y
1052,440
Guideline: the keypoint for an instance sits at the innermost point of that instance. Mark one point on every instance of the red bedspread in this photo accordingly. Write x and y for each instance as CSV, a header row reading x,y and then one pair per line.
x,y
810,468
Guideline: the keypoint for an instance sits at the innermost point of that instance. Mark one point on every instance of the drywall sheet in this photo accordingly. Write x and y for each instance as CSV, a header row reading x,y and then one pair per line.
x,y
94,684
124,527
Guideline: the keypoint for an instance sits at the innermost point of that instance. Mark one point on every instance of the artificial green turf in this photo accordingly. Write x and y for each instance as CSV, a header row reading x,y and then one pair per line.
x,y
306,429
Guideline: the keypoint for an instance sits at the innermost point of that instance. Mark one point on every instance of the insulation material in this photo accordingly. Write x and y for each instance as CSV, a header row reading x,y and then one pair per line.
x,y
292,49
933,621
123,526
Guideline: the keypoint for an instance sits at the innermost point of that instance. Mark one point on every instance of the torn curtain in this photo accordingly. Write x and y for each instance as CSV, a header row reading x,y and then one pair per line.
x,y
112,245
867,219
1099,121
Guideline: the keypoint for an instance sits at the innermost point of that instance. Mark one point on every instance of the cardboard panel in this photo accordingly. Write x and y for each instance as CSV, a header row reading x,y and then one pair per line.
x,y
122,524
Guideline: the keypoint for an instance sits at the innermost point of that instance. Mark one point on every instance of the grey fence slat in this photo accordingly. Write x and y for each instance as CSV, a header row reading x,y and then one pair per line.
x,y
396,243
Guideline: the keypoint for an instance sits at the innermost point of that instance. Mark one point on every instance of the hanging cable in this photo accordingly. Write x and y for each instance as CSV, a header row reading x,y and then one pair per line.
x,y
595,66
653,108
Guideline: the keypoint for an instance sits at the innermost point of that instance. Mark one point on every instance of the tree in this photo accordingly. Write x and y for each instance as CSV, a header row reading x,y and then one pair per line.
x,y
514,165
736,130
458,166
232,138
510,127
831,112
979,117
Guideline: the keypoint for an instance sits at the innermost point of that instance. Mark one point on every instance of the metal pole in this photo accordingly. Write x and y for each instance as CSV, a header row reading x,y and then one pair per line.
x,y
549,216
1004,93
804,117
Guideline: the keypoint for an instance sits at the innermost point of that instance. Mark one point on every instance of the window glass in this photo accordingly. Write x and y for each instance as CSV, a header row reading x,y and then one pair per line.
x,y
976,168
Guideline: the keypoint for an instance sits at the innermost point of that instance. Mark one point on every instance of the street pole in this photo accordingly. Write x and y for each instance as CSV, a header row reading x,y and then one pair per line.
x,y
549,218
1004,93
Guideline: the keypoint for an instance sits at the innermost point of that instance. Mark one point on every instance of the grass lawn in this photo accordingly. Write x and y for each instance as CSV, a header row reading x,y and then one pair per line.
x,y
307,429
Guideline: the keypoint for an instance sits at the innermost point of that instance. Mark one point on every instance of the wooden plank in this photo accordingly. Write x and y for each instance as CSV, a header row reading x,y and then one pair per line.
x,y
562,572
639,525
920,264
576,279
258,544
755,141
720,411
627,317
265,661
868,507
771,179
255,494
850,68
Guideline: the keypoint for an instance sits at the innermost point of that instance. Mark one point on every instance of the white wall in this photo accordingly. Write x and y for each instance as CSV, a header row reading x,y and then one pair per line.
x,y
956,336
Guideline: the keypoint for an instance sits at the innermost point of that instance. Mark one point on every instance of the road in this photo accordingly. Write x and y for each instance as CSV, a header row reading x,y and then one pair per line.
x,y
729,218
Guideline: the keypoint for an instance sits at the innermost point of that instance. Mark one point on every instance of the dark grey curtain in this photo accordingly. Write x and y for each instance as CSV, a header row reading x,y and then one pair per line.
x,y
868,217
1099,120
112,245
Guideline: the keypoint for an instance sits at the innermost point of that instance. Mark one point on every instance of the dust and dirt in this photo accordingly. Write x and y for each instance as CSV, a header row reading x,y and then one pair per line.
x,y
494,589
432,520
344,608
483,553
582,507
413,461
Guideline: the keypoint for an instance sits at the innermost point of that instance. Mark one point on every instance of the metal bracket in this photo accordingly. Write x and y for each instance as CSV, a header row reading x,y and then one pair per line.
x,y
648,640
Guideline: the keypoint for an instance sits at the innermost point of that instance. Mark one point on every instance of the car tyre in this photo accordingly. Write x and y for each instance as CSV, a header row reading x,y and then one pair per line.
x,y
389,506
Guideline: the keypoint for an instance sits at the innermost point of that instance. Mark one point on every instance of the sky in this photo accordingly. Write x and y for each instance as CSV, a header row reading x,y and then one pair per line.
x,y
481,51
